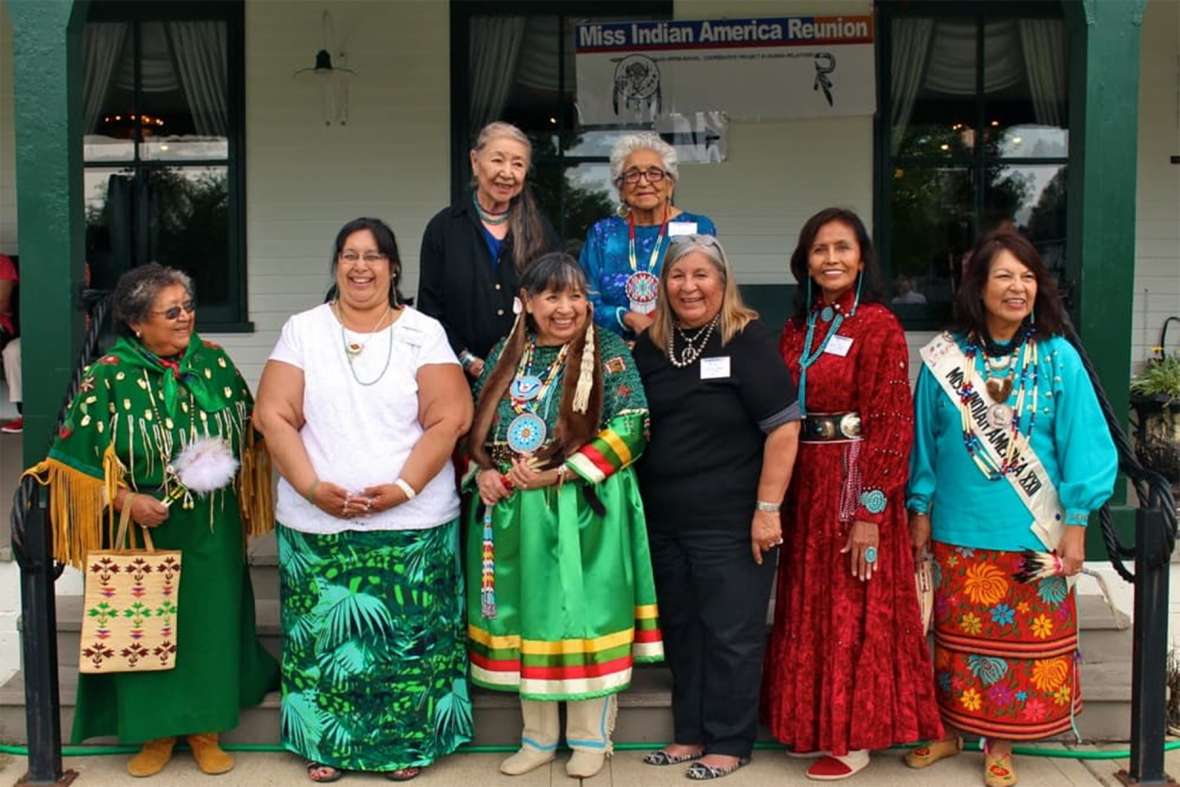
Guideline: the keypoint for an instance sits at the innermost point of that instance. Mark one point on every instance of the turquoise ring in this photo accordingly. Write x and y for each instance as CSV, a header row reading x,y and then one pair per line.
x,y
871,555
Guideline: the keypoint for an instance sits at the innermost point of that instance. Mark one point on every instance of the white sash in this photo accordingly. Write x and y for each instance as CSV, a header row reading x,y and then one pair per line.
x,y
948,363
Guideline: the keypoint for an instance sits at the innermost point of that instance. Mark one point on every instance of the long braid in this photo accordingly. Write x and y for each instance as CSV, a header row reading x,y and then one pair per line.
x,y
586,371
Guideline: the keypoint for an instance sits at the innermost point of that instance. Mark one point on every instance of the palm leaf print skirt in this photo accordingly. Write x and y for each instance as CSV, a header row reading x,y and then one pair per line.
x,y
374,663
1005,652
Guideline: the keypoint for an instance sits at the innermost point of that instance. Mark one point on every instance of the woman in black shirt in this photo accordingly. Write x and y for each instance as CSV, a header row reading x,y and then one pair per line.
x,y
474,251
724,430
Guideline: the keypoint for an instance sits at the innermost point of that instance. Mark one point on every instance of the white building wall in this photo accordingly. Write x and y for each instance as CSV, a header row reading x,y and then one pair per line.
x,y
305,179
1157,204
7,140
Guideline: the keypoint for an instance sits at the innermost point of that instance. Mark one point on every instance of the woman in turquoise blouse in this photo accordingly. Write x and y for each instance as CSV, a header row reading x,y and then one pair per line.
x,y
1011,453
623,255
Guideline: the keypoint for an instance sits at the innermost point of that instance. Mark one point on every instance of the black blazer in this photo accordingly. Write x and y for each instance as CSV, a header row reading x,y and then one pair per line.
x,y
457,284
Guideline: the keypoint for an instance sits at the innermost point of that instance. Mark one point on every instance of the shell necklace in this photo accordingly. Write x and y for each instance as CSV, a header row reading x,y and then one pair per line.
x,y
692,351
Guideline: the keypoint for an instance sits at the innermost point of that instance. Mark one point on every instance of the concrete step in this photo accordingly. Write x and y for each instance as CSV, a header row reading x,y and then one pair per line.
x,y
1105,638
645,714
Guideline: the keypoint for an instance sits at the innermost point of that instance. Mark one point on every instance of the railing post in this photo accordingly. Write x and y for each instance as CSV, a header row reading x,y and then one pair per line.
x,y
39,644
1150,652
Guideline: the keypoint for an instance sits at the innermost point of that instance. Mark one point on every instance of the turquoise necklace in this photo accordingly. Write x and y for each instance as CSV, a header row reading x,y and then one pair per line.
x,y
807,358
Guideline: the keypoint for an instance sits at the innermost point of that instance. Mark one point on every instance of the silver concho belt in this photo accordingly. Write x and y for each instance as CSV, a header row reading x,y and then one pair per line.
x,y
830,427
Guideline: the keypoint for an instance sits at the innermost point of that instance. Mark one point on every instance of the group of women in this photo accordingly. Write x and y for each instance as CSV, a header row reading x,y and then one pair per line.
x,y
561,374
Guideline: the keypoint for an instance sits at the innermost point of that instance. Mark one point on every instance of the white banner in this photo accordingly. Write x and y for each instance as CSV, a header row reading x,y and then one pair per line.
x,y
783,67
700,138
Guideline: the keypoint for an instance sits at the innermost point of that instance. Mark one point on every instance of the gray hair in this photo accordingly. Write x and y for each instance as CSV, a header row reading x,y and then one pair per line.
x,y
735,315
644,140
137,290
683,245
498,128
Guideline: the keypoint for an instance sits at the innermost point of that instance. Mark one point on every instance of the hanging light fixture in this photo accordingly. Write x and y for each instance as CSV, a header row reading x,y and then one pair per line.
x,y
333,80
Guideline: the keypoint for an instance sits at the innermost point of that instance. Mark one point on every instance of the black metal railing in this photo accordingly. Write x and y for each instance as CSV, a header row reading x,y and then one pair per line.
x,y
31,547
1155,539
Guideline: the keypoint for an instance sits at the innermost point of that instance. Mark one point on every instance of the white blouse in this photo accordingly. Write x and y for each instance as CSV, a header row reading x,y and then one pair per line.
x,y
361,435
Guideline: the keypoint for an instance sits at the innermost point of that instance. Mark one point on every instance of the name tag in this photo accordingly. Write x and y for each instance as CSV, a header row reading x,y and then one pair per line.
x,y
839,345
681,228
715,368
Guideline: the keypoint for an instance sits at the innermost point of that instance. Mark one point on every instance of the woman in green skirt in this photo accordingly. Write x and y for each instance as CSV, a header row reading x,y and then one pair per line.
x,y
362,403
560,601
159,389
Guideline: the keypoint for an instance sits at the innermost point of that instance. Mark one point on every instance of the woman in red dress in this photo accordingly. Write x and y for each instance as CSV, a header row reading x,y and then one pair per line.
x,y
848,669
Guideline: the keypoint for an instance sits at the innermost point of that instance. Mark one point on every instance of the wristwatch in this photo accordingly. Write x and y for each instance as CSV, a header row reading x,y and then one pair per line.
x,y
770,508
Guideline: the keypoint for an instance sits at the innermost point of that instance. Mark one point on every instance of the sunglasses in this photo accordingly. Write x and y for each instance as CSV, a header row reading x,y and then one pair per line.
x,y
173,313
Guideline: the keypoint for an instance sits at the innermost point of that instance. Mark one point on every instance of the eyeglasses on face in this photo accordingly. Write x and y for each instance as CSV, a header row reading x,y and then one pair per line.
x,y
173,313
352,258
632,176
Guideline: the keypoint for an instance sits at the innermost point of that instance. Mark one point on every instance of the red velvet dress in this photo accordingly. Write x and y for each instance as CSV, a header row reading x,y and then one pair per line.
x,y
848,666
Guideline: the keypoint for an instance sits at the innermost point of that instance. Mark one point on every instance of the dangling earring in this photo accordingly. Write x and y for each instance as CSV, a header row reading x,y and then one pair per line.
x,y
860,280
138,335
622,210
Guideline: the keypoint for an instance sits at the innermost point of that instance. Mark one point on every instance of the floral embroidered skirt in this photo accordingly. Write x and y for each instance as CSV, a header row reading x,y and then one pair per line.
x,y
1005,652
374,664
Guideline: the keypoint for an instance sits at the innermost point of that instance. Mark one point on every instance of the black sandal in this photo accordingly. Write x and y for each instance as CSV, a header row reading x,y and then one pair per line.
x,y
662,757
403,774
335,774
701,772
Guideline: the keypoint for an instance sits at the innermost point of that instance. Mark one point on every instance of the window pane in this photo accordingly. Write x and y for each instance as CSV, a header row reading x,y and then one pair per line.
x,y
190,227
932,227
573,197
110,246
108,101
1025,103
515,71
1033,198
171,215
933,86
184,101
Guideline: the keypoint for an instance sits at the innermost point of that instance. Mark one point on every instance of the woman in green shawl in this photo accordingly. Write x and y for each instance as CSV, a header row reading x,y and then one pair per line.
x,y
561,601
160,388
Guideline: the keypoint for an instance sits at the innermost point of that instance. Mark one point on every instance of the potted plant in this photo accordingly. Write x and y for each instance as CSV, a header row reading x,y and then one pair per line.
x,y
1155,398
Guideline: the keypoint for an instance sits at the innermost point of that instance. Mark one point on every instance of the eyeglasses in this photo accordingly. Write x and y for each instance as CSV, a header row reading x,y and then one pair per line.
x,y
352,258
632,176
173,313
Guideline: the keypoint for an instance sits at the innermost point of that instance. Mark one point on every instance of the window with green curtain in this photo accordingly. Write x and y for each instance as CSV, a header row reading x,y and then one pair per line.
x,y
972,136
162,124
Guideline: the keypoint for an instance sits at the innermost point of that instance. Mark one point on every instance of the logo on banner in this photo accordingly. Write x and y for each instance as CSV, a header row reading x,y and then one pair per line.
x,y
637,84
825,63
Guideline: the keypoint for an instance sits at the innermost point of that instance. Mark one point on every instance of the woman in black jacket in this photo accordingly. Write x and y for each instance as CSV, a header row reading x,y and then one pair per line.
x,y
474,251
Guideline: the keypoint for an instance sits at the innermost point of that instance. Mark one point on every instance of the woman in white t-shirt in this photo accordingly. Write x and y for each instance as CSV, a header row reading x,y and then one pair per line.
x,y
361,403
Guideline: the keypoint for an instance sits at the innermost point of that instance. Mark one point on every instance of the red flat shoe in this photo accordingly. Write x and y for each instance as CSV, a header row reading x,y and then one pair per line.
x,y
831,768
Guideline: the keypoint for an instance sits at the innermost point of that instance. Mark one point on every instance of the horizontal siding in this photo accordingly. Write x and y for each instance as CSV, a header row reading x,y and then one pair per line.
x,y
305,179
1157,204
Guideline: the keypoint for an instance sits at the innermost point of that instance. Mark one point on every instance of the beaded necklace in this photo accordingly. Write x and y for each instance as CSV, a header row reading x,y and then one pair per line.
x,y
487,217
972,440
527,391
691,350
807,357
655,249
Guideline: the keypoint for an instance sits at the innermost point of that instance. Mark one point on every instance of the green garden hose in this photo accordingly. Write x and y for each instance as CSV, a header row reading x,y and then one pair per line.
x,y
1027,751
